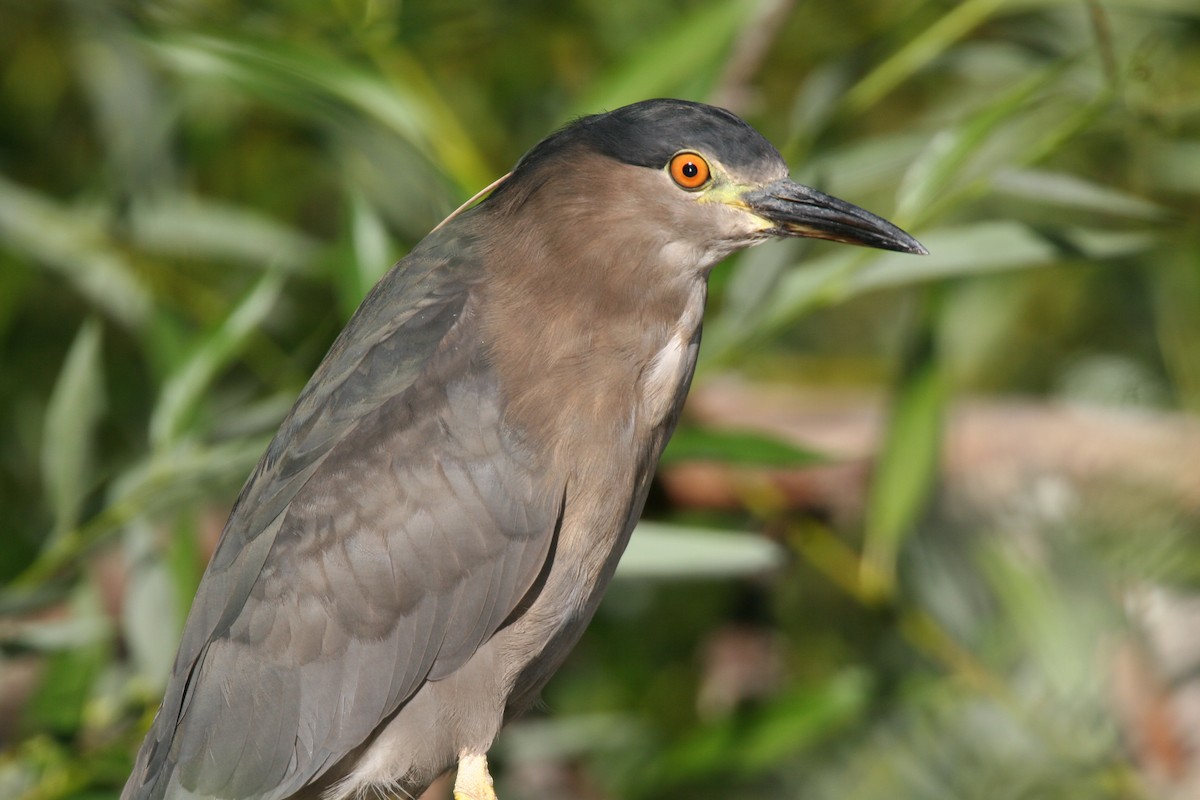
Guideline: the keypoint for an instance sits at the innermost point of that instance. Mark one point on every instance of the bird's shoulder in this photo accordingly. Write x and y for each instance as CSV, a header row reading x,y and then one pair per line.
x,y
383,350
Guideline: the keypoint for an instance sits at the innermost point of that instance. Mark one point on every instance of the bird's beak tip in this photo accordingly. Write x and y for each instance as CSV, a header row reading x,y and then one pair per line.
x,y
795,210
911,246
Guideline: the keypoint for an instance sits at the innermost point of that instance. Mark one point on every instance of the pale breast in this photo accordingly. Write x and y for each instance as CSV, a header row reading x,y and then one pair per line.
x,y
661,380
661,383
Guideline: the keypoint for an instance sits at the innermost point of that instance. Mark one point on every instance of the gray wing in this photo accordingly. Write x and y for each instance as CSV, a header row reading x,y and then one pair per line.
x,y
391,527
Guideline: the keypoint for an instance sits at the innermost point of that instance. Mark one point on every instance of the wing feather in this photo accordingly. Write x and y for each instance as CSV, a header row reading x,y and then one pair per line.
x,y
392,527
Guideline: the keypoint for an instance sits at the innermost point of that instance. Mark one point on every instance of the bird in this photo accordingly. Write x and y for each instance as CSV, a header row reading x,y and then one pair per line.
x,y
435,522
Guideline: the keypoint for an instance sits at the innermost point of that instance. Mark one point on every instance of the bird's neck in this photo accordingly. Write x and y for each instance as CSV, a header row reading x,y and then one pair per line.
x,y
583,353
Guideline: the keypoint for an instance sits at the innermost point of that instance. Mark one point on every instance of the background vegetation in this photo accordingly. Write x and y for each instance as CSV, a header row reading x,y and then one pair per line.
x,y
990,599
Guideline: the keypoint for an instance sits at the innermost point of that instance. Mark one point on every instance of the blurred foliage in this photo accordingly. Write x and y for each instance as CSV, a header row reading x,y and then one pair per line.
x,y
195,196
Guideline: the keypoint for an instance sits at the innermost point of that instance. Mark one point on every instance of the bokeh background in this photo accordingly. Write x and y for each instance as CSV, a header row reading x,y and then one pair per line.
x,y
929,529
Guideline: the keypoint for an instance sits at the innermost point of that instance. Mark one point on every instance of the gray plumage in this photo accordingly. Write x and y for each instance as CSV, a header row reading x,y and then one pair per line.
x,y
436,519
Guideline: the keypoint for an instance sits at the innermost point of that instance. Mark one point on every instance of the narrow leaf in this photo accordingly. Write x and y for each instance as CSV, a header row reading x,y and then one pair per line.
x,y
959,20
1072,192
197,228
69,676
664,63
73,244
373,254
406,101
941,165
907,466
659,551
76,405
167,479
150,615
184,389
736,447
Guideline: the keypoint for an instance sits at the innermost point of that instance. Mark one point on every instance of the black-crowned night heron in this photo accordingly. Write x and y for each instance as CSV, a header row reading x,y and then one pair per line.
x,y
435,522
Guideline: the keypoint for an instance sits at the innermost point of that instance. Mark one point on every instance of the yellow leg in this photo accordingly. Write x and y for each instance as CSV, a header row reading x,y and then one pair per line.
x,y
474,782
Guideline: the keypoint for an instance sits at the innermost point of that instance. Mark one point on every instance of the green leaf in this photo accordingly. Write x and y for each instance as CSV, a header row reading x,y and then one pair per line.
x,y
988,247
133,112
405,100
906,469
373,254
1054,620
955,252
176,477
1174,165
663,64
736,447
801,718
192,227
777,732
185,388
1074,193
1176,297
75,245
941,165
67,681
151,617
753,282
657,551
51,636
959,20
567,737
75,407
164,481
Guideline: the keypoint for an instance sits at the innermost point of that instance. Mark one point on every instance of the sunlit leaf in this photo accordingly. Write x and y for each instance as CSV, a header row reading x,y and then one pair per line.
x,y
50,636
1073,192
66,684
132,112
68,438
992,247
198,228
660,551
906,469
736,447
777,732
935,39
184,389
175,477
167,480
1054,624
408,104
979,248
693,47
1177,296
150,615
373,254
1174,165
752,283
569,736
74,245
940,166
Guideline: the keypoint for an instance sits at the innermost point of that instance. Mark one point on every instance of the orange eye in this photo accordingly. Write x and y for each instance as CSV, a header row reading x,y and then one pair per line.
x,y
689,170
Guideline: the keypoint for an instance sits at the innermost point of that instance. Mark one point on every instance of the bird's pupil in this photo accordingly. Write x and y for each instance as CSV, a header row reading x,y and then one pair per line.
x,y
690,170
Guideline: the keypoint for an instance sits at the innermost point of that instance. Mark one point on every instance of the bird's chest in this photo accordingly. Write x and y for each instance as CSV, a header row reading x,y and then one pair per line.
x,y
615,466
608,454
663,382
